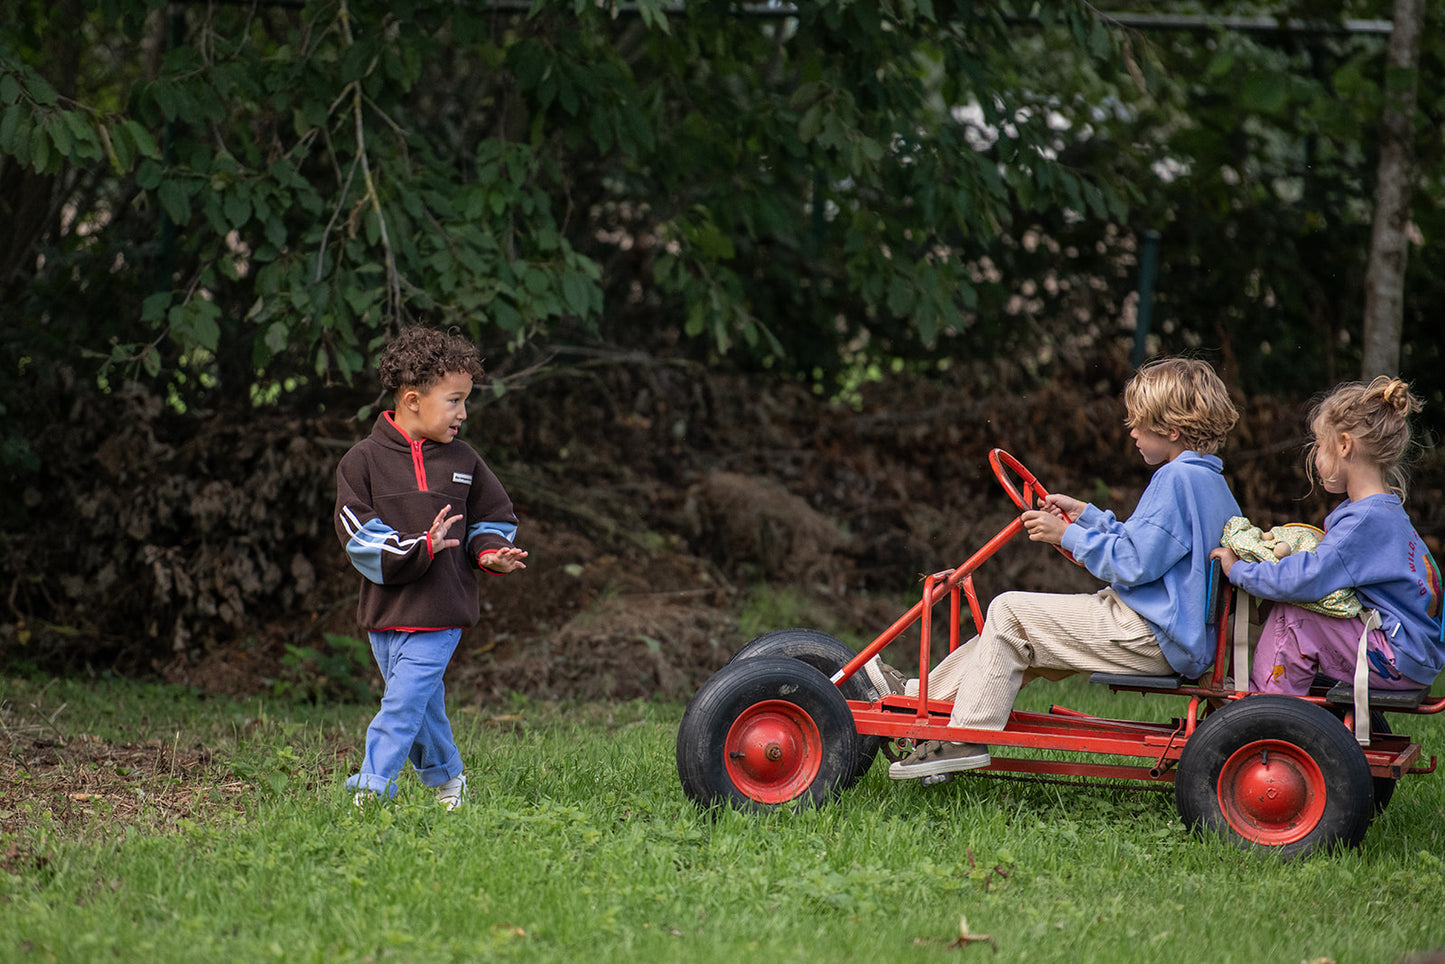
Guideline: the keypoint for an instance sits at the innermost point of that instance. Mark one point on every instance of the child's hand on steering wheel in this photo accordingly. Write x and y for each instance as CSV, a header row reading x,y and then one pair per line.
x,y
1059,504
1045,526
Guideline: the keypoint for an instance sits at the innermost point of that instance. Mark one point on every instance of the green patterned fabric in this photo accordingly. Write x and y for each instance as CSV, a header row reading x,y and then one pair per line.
x,y
1251,545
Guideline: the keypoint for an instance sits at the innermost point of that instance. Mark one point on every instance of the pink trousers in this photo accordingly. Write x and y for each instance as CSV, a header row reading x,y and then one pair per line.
x,y
1295,644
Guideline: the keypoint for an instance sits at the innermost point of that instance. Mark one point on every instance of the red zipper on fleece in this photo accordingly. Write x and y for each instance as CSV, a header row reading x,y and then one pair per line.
x,y
419,464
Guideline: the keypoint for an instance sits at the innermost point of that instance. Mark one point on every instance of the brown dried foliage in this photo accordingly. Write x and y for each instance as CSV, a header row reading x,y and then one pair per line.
x,y
651,493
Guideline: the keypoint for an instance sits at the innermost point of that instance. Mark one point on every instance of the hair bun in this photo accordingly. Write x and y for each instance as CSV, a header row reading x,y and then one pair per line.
x,y
1395,393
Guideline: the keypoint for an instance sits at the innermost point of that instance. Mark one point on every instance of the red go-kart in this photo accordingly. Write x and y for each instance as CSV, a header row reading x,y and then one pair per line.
x,y
795,718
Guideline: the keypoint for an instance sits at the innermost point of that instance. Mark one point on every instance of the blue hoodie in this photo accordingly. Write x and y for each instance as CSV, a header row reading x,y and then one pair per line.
x,y
1369,545
1158,560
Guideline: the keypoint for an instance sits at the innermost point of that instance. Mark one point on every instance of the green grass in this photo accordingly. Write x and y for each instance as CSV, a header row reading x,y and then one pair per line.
x,y
578,845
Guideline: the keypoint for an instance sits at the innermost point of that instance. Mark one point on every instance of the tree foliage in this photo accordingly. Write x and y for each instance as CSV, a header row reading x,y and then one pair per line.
x,y
1254,153
241,201
260,192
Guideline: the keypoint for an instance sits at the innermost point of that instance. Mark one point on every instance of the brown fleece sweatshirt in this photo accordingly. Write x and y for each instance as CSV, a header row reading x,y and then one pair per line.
x,y
389,489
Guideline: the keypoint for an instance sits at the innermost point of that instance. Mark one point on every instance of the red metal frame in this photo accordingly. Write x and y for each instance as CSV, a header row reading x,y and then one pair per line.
x,y
920,718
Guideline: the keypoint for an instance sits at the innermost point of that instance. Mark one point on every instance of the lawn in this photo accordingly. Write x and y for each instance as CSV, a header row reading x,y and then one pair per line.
x,y
147,823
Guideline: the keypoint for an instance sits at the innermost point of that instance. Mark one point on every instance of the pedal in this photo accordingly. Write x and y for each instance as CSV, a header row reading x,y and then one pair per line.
x,y
934,779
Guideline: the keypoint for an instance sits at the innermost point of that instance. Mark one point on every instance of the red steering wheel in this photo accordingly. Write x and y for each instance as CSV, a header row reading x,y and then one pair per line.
x,y
1030,496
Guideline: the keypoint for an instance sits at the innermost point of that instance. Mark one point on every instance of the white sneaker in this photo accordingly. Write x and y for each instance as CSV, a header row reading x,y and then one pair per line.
x,y
453,792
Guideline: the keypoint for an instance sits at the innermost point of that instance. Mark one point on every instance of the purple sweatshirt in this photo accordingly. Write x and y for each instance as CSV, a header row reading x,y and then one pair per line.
x,y
1369,545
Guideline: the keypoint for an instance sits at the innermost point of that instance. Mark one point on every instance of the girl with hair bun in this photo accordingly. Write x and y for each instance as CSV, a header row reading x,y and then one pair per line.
x,y
1361,438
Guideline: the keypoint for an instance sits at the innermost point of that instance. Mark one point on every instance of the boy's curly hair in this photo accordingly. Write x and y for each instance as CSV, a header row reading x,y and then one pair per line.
x,y
1182,393
420,357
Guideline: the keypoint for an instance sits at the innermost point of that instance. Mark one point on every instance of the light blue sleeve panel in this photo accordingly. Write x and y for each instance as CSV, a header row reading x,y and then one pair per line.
x,y
371,543
507,530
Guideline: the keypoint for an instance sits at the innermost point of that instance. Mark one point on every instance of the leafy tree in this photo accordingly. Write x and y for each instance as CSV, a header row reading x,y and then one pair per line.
x,y
233,204
1252,145
248,198
259,193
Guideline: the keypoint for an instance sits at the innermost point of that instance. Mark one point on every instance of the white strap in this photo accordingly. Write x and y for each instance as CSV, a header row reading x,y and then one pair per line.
x,y
1241,642
1371,619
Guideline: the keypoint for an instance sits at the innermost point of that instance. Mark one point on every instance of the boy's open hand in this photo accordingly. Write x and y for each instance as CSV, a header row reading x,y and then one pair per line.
x,y
438,531
503,560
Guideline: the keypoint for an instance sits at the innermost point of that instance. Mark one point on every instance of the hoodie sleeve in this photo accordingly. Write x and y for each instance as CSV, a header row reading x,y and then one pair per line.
x,y
491,521
1137,553
1131,553
1305,576
376,550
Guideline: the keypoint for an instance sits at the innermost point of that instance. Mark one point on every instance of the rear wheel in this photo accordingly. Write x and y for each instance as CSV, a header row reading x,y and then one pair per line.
x,y
827,654
1384,786
1275,771
764,732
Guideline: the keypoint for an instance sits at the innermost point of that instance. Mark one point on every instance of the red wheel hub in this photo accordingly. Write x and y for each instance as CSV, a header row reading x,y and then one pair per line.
x,y
1271,792
773,751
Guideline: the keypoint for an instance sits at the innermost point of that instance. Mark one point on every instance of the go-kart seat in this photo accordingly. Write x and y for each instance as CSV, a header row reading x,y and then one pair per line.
x,y
1344,694
1137,682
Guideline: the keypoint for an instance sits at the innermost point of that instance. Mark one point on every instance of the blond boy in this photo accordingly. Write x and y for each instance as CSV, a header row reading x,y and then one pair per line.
x,y
1150,619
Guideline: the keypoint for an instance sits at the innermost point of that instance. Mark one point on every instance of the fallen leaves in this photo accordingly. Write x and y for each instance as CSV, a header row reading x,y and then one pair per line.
x,y
965,937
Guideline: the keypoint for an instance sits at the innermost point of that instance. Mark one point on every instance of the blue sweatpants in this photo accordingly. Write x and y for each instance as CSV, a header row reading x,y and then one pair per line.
x,y
412,722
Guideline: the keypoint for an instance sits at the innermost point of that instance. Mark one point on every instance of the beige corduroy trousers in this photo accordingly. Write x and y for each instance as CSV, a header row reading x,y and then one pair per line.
x,y
1028,635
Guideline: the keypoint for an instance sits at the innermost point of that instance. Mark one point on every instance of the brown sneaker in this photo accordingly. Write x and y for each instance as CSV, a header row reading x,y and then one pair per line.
x,y
885,679
934,757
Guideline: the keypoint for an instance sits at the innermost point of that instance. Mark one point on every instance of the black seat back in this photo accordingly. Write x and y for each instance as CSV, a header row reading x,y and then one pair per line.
x,y
1218,590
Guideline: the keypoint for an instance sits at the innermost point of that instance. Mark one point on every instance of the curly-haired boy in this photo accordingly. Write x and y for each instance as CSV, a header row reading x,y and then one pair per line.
x,y
395,492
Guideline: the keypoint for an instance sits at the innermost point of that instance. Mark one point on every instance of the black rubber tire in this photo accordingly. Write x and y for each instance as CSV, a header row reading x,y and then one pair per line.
x,y
827,654
752,708
1384,786
1317,794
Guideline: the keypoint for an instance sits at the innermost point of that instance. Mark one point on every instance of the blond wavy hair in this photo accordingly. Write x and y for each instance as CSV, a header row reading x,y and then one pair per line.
x,y
1377,417
1182,393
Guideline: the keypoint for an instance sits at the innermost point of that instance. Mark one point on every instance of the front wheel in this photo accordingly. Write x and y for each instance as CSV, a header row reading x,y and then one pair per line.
x,y
1275,771
826,654
761,733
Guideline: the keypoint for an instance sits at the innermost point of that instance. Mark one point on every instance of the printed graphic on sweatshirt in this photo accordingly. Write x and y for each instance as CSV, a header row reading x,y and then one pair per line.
x,y
1427,577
